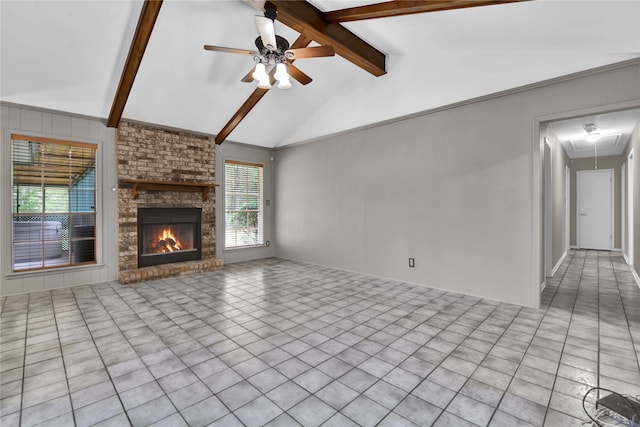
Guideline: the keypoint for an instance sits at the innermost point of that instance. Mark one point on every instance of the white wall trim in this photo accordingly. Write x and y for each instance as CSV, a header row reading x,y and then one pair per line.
x,y
626,259
537,215
636,277
542,286
557,266
567,207
548,207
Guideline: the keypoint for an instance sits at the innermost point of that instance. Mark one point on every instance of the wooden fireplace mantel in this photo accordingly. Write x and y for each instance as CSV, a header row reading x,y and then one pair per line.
x,y
148,184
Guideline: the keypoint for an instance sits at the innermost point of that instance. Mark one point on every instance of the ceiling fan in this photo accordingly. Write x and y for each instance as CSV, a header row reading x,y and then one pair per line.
x,y
274,56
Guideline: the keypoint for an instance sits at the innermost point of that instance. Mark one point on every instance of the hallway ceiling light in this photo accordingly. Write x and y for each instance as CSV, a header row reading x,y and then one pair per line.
x,y
592,134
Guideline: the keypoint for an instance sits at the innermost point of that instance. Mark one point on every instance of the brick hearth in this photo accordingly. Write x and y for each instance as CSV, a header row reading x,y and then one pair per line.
x,y
168,270
151,153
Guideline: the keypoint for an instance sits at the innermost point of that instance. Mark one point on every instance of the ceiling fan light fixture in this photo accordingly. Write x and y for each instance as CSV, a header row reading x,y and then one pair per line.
x,y
282,77
592,134
260,74
285,84
264,83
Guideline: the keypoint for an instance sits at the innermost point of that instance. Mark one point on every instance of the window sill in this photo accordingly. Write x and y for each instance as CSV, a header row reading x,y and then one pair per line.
x,y
244,248
52,271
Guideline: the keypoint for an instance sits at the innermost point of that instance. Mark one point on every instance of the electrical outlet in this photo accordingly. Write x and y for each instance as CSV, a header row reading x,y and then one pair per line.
x,y
267,202
267,243
412,262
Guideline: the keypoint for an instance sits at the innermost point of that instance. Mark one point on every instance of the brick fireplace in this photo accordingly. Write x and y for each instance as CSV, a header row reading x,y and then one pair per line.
x,y
181,168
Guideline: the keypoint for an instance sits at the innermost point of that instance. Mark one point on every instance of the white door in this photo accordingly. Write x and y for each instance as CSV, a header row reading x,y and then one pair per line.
x,y
595,209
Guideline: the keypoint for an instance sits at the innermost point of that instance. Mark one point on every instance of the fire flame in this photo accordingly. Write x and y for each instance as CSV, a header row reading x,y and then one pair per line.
x,y
167,241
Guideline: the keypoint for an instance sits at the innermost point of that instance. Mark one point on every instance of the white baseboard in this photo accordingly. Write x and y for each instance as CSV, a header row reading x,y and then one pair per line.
x,y
626,259
573,247
543,285
555,268
616,250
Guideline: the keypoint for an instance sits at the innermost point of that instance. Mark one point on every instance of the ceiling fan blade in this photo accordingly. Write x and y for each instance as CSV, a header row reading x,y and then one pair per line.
x,y
267,32
248,78
311,52
297,74
230,50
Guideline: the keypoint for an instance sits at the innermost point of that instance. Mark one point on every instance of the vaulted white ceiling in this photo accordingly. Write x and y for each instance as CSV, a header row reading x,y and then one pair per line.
x,y
69,56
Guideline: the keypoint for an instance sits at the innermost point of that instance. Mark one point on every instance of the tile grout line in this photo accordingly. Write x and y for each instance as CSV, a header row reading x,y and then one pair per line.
x,y
360,300
84,319
575,301
24,357
178,312
495,307
549,305
624,308
168,348
294,338
64,364
478,365
460,296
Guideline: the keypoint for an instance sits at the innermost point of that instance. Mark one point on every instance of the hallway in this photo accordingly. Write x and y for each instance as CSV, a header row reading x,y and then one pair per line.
x,y
285,343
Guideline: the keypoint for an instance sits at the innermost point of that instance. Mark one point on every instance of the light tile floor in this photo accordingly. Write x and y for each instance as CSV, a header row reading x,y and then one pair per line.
x,y
284,343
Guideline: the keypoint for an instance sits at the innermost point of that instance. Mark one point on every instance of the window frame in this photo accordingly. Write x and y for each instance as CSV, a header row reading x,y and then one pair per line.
x,y
260,211
94,212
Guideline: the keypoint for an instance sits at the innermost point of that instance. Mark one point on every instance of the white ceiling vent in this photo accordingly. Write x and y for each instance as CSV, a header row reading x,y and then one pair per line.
x,y
606,141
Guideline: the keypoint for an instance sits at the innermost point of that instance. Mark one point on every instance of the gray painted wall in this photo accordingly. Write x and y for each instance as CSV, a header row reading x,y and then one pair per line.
x,y
608,162
34,122
634,144
251,154
457,189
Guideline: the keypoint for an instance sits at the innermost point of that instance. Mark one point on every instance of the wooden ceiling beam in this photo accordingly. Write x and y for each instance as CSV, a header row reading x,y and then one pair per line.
x,y
398,8
306,19
242,112
147,20
253,99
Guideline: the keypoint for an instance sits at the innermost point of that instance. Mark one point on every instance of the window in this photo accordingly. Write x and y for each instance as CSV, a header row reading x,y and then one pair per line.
x,y
53,203
243,205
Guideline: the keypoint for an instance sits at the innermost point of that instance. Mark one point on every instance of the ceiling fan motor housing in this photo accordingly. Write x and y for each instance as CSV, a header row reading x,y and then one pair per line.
x,y
282,46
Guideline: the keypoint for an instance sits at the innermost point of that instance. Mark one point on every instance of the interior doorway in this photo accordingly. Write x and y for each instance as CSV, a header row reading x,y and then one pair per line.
x,y
595,209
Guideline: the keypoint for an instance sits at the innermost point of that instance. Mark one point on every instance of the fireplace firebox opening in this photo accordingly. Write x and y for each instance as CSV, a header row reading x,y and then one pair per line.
x,y
167,235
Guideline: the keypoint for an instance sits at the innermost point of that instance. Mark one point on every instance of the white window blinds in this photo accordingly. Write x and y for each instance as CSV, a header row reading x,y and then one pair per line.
x,y
243,222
